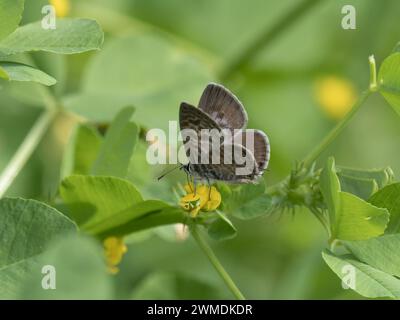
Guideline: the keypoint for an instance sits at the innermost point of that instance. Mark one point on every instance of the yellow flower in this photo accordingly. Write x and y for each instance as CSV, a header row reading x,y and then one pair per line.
x,y
207,200
335,95
114,249
191,203
62,7
214,201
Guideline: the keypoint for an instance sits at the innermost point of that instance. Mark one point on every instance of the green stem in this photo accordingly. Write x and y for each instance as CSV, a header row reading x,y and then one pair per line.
x,y
25,150
267,37
336,130
314,154
215,262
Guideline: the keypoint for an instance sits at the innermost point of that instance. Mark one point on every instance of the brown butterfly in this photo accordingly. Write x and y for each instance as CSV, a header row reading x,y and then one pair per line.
x,y
220,111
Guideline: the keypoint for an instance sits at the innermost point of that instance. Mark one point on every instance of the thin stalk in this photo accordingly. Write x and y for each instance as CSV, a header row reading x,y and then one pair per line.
x,y
26,149
336,130
267,37
373,86
326,142
215,262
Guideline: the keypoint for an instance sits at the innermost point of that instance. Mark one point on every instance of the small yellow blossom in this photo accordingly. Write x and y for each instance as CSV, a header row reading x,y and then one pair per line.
x,y
114,249
335,95
62,7
191,203
207,199
214,201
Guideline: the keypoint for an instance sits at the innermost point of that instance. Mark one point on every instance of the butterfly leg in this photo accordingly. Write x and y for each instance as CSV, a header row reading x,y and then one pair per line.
x,y
209,189
194,184
189,182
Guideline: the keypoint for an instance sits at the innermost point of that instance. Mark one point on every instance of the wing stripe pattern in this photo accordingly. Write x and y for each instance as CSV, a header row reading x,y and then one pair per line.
x,y
223,107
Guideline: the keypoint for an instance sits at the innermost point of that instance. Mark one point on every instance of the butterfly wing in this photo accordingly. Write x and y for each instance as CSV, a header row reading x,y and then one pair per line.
x,y
193,119
220,109
235,171
258,143
223,107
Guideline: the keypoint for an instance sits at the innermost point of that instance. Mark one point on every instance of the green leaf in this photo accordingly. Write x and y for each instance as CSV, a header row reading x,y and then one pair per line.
x,y
148,71
81,151
70,36
382,176
330,188
117,148
389,198
247,201
165,285
358,219
362,188
389,80
141,172
28,226
221,228
369,282
165,216
3,74
80,269
120,219
93,199
10,16
14,71
382,252
351,218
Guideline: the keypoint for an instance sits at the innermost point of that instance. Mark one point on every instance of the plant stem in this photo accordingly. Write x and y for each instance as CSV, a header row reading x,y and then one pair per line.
x,y
25,150
267,37
314,154
215,262
336,130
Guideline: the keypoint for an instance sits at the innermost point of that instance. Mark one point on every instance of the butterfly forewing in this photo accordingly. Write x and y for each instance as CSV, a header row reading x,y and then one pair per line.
x,y
192,118
223,107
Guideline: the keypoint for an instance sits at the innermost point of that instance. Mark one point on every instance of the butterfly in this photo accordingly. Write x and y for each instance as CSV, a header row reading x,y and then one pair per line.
x,y
221,111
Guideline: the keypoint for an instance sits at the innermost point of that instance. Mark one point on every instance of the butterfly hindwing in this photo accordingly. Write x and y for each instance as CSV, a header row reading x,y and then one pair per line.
x,y
223,107
228,171
259,146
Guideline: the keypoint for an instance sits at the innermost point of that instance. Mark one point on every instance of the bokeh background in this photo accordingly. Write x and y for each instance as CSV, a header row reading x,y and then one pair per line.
x,y
156,54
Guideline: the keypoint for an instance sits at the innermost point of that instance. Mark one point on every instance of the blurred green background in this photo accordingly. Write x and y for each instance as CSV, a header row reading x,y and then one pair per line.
x,y
158,53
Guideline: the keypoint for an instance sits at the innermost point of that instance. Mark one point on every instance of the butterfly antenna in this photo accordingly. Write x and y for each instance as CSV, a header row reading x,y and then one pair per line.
x,y
169,171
